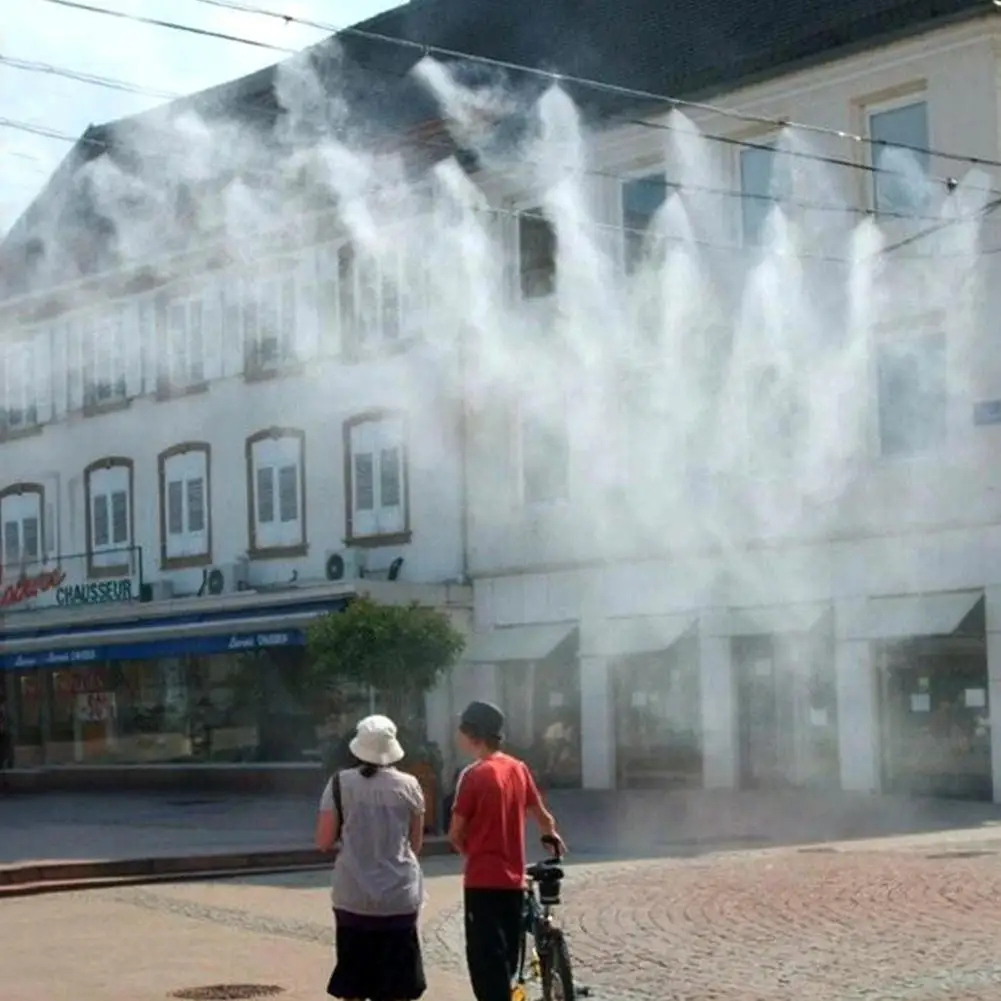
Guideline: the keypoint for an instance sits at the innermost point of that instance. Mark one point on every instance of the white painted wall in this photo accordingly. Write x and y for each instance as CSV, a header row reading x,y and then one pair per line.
x,y
959,483
317,402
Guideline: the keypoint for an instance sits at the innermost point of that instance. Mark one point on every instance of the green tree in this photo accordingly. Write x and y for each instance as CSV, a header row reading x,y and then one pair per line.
x,y
401,651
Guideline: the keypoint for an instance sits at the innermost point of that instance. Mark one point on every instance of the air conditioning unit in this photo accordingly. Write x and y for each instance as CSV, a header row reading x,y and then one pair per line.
x,y
227,578
161,590
343,564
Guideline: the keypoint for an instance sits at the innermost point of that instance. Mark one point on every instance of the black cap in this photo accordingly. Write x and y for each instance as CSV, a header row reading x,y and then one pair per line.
x,y
482,721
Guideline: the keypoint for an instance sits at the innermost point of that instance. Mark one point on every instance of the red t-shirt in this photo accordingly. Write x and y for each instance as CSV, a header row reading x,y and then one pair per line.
x,y
493,797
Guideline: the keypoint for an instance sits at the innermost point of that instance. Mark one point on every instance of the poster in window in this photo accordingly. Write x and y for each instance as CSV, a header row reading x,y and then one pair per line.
x,y
975,698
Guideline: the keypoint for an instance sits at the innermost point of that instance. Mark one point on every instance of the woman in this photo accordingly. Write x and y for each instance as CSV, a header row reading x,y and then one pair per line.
x,y
378,814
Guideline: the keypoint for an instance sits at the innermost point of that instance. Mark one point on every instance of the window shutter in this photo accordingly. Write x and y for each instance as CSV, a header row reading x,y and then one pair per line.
x,y
212,333
129,320
43,374
307,332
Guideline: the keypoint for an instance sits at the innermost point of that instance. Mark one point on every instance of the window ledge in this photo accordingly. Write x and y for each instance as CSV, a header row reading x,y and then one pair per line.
x,y
377,541
112,406
103,573
278,552
185,562
168,392
15,434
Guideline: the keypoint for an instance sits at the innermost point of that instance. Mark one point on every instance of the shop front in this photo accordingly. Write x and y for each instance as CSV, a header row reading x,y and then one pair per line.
x,y
783,664
654,671
538,679
205,687
934,695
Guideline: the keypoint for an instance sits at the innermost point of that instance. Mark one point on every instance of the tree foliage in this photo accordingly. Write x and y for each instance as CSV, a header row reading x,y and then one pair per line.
x,y
400,650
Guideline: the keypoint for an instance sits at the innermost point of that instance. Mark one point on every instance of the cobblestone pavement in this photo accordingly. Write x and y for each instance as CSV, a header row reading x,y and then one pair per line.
x,y
887,924
914,919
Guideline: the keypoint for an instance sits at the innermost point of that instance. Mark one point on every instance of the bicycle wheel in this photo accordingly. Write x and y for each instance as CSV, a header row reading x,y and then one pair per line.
x,y
557,972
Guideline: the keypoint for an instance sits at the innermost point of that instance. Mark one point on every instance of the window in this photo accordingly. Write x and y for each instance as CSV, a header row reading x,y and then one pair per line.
x,y
269,325
108,488
21,514
370,299
185,510
184,359
276,492
537,254
104,361
19,377
545,460
900,184
376,471
911,380
642,198
764,180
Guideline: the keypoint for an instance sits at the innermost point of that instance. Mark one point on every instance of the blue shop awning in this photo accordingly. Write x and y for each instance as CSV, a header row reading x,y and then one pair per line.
x,y
148,641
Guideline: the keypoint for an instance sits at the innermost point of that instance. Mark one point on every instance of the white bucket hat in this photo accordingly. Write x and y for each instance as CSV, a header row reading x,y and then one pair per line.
x,y
375,742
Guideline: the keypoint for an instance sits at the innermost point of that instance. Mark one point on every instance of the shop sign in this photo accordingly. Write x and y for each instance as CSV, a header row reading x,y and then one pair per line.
x,y
27,588
260,641
103,592
51,584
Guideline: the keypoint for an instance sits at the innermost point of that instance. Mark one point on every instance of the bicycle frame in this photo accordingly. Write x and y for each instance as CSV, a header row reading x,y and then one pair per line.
x,y
537,921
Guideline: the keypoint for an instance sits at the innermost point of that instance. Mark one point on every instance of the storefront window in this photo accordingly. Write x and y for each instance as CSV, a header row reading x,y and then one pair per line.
x,y
542,704
935,720
27,719
219,708
657,719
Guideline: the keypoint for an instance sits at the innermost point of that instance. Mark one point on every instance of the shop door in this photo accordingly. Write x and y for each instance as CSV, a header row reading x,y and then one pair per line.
x,y
658,713
935,722
761,698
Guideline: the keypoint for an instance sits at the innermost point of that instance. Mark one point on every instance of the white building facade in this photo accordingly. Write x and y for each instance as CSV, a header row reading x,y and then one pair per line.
x,y
824,620
190,475
713,445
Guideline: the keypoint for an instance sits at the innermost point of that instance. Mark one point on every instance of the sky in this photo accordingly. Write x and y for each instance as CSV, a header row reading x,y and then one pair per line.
x,y
154,58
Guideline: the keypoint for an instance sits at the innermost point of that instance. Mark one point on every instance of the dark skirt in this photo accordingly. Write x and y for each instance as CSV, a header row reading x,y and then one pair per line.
x,y
378,959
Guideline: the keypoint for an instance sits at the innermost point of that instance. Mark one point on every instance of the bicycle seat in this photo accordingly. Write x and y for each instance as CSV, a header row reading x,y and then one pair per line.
x,y
540,871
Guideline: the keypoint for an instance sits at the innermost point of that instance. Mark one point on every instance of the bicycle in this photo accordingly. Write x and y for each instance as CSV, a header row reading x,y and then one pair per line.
x,y
549,960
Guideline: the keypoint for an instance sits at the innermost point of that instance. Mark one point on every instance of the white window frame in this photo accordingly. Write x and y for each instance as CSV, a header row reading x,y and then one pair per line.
x,y
278,452
899,341
275,298
106,484
18,507
20,385
371,296
376,438
778,189
105,360
871,109
184,470
631,236
527,422
184,354
531,212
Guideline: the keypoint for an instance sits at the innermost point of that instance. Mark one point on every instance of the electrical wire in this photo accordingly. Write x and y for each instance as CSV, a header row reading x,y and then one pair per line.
x,y
654,180
31,66
553,77
874,169
738,195
586,82
171,25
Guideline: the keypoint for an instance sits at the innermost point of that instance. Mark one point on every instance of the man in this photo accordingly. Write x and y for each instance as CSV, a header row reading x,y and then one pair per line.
x,y
494,796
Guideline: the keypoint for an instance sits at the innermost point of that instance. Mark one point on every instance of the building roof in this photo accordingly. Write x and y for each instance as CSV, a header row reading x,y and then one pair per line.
x,y
683,48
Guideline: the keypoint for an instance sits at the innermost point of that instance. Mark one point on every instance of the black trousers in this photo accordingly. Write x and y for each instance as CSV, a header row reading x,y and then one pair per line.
x,y
493,936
